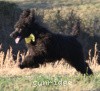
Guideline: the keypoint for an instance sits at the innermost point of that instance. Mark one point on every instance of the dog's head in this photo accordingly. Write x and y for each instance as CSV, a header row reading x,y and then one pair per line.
x,y
23,25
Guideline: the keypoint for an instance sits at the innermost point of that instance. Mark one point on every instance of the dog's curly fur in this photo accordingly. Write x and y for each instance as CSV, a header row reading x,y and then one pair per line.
x,y
48,47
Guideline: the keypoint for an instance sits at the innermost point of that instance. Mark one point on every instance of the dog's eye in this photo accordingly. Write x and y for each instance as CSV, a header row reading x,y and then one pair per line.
x,y
18,30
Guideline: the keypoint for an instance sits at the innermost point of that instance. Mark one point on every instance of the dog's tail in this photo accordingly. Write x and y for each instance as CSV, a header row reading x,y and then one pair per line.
x,y
76,29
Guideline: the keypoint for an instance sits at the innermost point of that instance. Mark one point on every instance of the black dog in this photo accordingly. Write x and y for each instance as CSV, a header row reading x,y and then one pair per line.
x,y
47,47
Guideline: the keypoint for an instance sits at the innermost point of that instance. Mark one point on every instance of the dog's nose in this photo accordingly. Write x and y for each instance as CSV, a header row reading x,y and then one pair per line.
x,y
10,35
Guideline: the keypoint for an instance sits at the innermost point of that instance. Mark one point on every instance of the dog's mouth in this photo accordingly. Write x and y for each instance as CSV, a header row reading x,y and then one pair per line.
x,y
17,40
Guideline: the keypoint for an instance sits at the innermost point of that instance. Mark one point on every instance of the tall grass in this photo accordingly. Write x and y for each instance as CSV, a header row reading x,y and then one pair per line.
x,y
49,82
10,66
13,78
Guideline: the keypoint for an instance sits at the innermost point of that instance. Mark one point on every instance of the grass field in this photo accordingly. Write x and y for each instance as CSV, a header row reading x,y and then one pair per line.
x,y
57,78
49,77
47,82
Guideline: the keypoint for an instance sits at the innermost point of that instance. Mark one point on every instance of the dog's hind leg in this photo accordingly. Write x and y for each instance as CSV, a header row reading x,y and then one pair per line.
x,y
81,66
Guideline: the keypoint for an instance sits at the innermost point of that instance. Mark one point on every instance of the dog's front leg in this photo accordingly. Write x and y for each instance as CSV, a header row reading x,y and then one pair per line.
x,y
29,62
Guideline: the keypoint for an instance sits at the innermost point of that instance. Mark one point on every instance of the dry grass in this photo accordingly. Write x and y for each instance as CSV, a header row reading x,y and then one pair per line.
x,y
9,66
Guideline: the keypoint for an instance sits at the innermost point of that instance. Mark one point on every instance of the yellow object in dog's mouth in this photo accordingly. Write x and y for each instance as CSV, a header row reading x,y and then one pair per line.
x,y
30,38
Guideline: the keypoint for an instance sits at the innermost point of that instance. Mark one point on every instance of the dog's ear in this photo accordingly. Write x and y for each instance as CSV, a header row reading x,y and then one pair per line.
x,y
25,13
32,12
32,15
27,16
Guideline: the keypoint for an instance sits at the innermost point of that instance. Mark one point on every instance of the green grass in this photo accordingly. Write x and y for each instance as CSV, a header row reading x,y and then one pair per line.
x,y
47,82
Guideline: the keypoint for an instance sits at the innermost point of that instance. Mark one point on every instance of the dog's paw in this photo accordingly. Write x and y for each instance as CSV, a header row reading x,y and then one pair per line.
x,y
21,66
